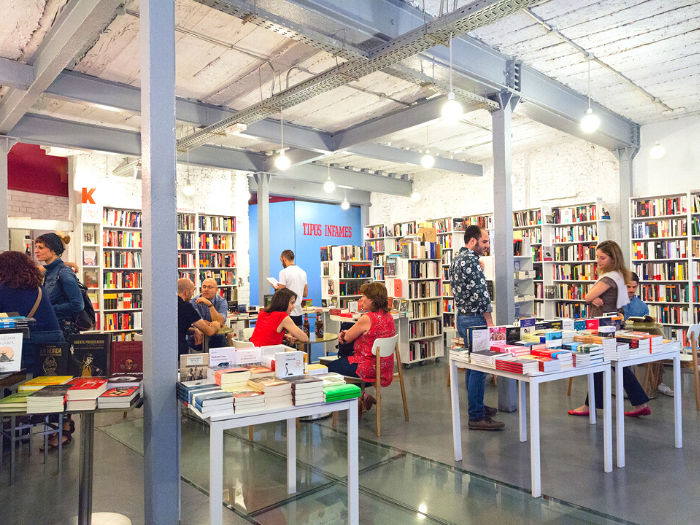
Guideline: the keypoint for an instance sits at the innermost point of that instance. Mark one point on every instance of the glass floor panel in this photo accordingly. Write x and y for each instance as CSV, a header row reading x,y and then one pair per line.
x,y
395,487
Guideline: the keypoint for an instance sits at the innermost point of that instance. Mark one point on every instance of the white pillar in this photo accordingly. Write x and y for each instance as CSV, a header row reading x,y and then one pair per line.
x,y
625,158
5,145
161,417
263,182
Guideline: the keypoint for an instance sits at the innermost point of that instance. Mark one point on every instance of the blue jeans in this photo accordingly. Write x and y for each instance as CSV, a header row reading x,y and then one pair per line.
x,y
475,380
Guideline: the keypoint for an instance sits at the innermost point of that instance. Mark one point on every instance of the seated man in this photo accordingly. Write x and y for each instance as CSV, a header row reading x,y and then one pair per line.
x,y
211,307
638,308
187,316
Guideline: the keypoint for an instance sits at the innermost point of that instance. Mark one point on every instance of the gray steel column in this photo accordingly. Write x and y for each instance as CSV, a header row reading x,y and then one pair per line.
x,y
625,158
263,182
504,284
161,418
5,145
364,215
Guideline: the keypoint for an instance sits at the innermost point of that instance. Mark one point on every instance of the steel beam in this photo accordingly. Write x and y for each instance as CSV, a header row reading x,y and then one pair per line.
x,y
477,67
625,158
15,74
378,151
78,27
5,145
310,191
161,427
262,187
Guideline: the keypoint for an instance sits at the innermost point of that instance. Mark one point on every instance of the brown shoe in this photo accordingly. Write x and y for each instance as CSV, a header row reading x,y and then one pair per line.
x,y
368,401
490,411
486,424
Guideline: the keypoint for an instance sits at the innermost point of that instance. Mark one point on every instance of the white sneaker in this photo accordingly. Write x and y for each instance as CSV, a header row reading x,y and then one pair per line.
x,y
665,389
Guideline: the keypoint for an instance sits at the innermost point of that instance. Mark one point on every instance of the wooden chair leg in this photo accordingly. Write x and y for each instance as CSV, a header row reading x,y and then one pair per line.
x,y
377,387
403,389
571,382
298,424
335,420
448,376
677,388
250,433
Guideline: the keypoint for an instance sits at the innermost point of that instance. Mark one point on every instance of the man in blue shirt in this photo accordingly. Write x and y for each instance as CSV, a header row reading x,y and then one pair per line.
x,y
212,307
636,307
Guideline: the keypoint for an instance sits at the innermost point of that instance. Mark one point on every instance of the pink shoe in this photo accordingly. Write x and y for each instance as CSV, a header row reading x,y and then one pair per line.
x,y
641,412
574,413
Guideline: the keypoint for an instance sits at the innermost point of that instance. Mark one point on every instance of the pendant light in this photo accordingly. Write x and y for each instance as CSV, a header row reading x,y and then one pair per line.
x,y
415,196
589,122
282,161
329,185
657,151
188,189
427,161
345,205
452,110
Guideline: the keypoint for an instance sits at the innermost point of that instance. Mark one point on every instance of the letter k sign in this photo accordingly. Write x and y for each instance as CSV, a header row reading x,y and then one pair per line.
x,y
87,196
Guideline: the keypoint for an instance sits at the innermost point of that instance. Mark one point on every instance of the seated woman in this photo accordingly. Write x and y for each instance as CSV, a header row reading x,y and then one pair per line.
x,y
274,320
375,324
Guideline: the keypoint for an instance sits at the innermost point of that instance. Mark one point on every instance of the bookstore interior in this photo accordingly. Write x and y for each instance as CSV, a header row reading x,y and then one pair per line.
x,y
523,210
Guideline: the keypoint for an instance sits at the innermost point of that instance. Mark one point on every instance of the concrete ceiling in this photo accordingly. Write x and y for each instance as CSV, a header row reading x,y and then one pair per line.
x,y
223,61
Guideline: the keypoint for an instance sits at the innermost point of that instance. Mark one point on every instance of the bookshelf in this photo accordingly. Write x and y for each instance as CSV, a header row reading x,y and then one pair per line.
x,y
450,238
380,238
570,234
527,223
665,253
417,277
206,248
344,269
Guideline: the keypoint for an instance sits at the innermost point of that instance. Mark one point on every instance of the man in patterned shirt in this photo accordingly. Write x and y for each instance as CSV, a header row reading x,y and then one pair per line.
x,y
473,306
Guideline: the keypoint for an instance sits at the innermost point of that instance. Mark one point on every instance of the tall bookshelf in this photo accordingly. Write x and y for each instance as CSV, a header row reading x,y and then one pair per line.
x,y
111,267
380,238
694,252
664,253
450,238
570,235
527,223
345,270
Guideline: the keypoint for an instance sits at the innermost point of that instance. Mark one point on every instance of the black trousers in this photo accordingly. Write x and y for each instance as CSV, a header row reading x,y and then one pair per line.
x,y
343,367
635,392
298,320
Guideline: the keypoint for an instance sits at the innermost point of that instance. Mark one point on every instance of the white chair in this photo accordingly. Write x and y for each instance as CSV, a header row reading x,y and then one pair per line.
x,y
246,334
690,355
241,344
383,348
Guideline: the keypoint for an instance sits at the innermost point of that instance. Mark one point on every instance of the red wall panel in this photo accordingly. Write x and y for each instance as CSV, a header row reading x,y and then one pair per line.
x,y
30,169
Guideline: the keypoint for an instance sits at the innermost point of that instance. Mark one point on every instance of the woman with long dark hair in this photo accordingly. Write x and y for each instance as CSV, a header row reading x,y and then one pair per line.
x,y
274,320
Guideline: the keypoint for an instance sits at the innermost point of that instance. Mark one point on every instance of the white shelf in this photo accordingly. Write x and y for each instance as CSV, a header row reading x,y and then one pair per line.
x,y
213,250
426,338
658,217
576,223
105,227
574,242
425,318
123,310
108,248
650,239
656,260
213,232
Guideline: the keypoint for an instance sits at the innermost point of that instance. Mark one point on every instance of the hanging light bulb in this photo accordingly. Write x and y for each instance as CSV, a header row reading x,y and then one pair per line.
x,y
329,185
452,110
415,196
427,160
282,161
657,151
345,205
188,189
589,122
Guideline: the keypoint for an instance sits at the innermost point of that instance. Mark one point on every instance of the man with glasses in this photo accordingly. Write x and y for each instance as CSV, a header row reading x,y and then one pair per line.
x,y
212,307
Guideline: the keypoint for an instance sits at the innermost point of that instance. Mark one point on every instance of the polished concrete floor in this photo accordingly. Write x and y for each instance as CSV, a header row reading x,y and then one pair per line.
x,y
406,476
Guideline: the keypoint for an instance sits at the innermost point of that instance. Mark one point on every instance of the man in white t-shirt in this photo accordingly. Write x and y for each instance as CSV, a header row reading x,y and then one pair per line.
x,y
294,278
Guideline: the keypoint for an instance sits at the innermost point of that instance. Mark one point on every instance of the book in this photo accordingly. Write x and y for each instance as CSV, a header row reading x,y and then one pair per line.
x,y
38,383
121,397
89,355
86,388
194,367
15,402
645,319
274,282
316,369
10,351
229,376
127,357
49,399
52,359
340,392
270,385
124,380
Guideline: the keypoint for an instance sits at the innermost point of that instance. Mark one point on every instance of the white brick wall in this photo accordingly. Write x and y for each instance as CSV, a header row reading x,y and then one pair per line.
x,y
220,192
37,206
573,171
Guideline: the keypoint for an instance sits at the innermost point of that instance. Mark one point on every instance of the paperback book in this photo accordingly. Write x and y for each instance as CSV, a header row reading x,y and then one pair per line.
x,y
52,359
89,355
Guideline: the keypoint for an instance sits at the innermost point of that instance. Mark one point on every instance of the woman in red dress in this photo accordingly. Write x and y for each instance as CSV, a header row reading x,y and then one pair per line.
x,y
375,324
274,320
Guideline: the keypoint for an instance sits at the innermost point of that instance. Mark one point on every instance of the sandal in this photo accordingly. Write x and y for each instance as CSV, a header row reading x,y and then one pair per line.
x,y
368,401
67,438
360,408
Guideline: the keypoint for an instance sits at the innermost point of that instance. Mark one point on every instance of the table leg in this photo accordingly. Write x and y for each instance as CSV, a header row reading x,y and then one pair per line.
x,y
216,473
619,416
13,420
522,410
677,415
591,399
536,481
205,344
607,419
60,441
353,467
456,421
291,456
87,435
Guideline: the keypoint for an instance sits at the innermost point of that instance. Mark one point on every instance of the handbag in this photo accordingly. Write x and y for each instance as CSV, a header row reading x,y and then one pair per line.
x,y
36,304
85,319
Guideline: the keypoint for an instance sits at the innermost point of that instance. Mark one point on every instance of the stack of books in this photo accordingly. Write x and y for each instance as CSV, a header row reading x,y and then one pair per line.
x,y
230,378
623,351
485,357
185,389
547,364
14,403
247,400
119,397
216,402
49,399
518,366
40,382
278,393
518,350
340,392
83,393
316,369
306,390
332,379
459,354
124,381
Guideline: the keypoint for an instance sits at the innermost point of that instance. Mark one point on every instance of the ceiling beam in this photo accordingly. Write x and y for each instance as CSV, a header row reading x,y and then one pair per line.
x,y
75,86
377,151
77,28
15,74
311,191
477,67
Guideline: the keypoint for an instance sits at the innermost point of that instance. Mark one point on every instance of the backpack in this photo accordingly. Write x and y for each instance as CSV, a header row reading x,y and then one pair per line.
x,y
85,319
